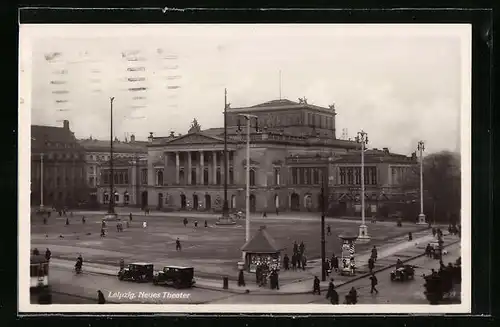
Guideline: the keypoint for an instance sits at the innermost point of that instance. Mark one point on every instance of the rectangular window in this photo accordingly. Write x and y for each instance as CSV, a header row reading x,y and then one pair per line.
x,y
125,176
306,176
342,176
144,176
374,175
367,181
276,176
357,176
294,176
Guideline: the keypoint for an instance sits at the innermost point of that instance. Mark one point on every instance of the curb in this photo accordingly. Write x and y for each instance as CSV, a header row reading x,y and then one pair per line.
x,y
258,292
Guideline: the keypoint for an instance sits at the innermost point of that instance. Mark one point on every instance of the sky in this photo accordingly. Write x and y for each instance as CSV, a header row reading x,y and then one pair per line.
x,y
400,84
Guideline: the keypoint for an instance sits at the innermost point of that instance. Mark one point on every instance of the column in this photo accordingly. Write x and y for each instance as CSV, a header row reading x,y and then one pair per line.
x,y
214,167
222,172
201,173
177,168
165,168
189,168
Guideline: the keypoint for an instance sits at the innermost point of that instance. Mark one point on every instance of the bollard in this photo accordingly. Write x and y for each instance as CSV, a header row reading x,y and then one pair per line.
x,y
225,282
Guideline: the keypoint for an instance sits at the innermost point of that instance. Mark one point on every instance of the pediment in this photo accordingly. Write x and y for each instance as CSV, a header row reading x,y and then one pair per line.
x,y
195,138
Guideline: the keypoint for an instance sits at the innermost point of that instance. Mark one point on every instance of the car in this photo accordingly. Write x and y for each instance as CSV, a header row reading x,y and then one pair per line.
x,y
403,273
176,276
137,272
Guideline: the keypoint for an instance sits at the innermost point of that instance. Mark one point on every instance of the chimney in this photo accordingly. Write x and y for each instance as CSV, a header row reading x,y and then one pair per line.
x,y
132,138
386,150
66,124
150,138
172,134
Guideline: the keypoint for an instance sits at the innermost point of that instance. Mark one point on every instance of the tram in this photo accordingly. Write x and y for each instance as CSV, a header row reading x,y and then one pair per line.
x,y
39,273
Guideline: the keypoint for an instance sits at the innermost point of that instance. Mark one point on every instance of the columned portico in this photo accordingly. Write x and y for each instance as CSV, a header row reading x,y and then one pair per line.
x,y
177,168
214,167
201,171
188,182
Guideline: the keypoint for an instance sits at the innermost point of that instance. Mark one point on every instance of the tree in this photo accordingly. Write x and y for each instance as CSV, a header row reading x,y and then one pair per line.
x,y
195,127
442,186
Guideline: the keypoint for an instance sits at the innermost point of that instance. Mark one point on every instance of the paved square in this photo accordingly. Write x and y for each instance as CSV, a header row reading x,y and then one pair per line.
x,y
214,249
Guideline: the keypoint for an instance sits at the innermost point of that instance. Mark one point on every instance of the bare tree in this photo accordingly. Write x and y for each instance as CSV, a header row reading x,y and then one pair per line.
x,y
442,185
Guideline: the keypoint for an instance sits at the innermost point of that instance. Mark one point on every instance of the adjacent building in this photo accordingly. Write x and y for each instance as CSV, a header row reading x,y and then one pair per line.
x,y
63,160
97,156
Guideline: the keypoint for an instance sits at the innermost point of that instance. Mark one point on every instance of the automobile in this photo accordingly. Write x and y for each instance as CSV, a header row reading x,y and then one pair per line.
x,y
137,272
404,273
176,276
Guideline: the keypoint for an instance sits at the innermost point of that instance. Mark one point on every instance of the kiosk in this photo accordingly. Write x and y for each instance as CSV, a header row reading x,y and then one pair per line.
x,y
262,249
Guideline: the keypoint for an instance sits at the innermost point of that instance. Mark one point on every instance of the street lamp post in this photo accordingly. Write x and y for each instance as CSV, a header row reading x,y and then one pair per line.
x,y
421,216
363,229
41,180
323,214
225,219
247,197
111,215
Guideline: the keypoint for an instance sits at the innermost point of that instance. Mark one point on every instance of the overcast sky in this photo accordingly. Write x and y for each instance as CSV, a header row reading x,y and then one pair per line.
x,y
399,84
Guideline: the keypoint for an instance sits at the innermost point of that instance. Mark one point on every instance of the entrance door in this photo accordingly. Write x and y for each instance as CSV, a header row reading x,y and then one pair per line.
x,y
195,202
253,203
144,199
183,202
208,202
294,202
160,200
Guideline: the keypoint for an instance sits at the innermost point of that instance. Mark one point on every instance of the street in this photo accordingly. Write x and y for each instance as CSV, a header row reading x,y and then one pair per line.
x,y
87,284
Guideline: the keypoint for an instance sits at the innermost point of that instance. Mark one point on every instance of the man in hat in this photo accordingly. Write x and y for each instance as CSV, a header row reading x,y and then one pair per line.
x,y
100,297
316,286
374,282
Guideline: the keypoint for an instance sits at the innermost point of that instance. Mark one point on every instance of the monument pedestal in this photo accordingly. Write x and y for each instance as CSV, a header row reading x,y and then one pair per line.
x,y
363,236
421,219
111,217
225,220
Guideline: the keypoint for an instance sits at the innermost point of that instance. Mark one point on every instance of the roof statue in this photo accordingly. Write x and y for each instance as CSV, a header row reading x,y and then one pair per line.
x,y
195,127
228,106
303,100
332,106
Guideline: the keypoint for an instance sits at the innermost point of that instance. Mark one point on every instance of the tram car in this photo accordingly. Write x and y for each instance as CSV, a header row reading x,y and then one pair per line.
x,y
39,273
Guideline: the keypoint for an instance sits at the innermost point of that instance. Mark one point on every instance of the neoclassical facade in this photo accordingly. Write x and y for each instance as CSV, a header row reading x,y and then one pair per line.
x,y
187,172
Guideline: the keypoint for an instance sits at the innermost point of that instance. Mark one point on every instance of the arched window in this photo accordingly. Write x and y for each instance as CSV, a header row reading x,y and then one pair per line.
x,y
316,176
277,176
159,177
252,177
117,197
126,197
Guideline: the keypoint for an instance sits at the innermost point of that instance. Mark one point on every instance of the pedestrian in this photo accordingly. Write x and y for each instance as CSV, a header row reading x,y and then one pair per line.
x,y
36,252
299,261
258,271
410,236
206,224
103,232
328,230
331,287
371,264
335,263
434,231
67,221
326,267
316,286
48,214
122,264
264,215
48,254
295,247
177,245
302,247
353,296
60,213
118,227
196,223
374,283
130,217
399,264
241,279
144,224
128,224
185,221
83,220
100,298
374,253
304,262
352,266
286,262
45,220
103,224
294,262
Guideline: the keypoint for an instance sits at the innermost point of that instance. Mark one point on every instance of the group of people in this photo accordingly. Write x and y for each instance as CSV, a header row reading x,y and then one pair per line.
x,y
185,222
48,254
446,276
333,296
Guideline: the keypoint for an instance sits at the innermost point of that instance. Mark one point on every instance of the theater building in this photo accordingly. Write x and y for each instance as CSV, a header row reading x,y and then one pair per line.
x,y
63,166
186,172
